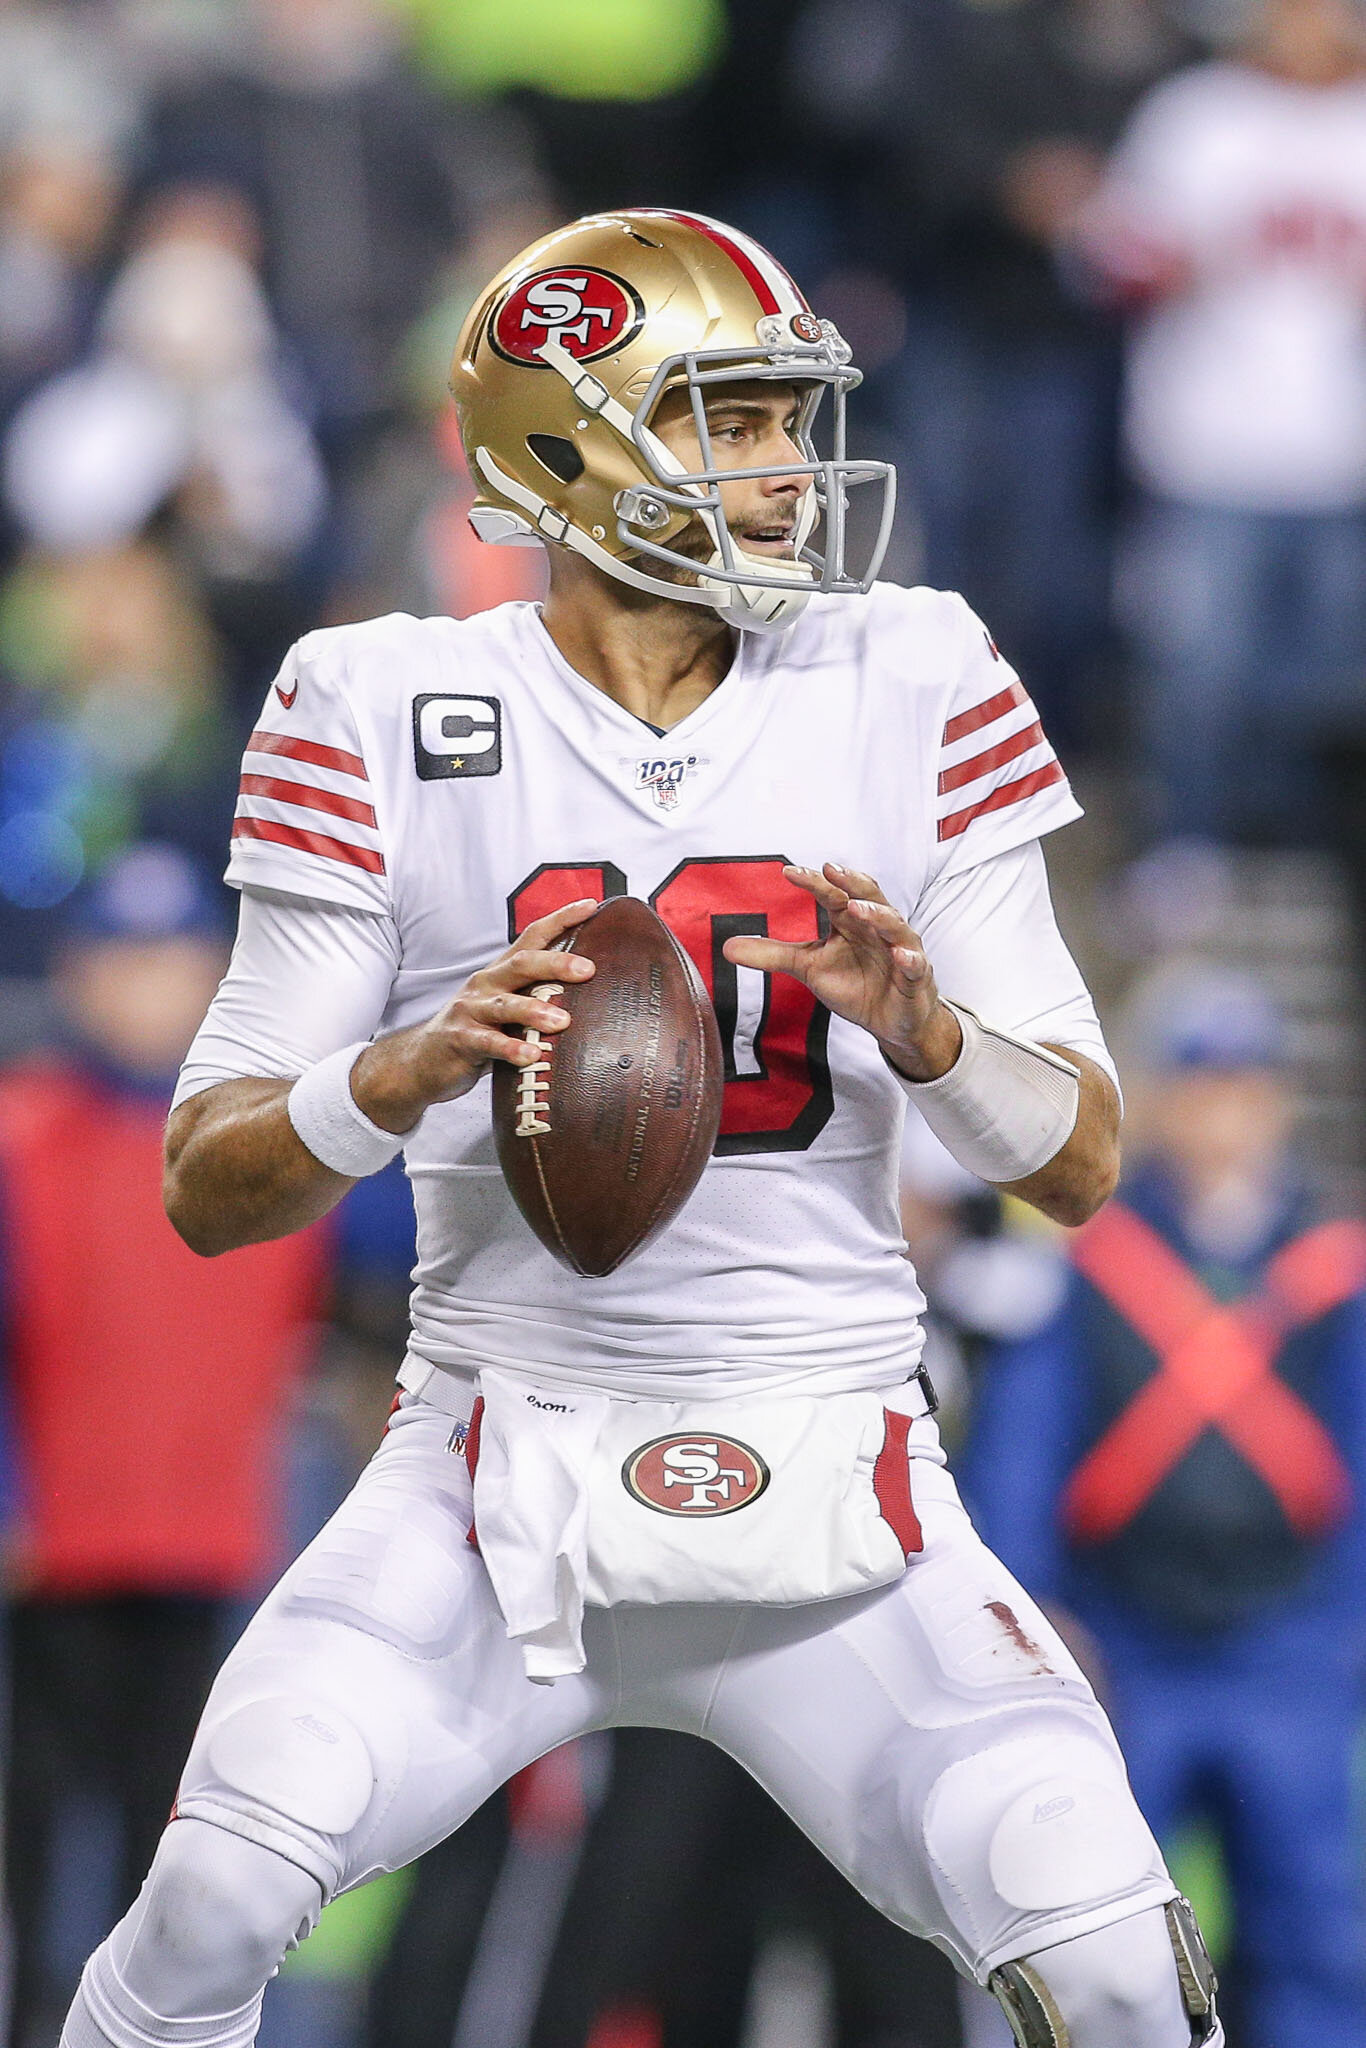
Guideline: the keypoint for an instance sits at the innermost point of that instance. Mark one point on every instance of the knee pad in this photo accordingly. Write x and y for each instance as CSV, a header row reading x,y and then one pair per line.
x,y
1144,1982
211,1924
1040,1827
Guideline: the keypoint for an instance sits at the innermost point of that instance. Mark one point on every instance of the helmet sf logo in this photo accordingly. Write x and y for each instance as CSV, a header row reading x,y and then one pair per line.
x,y
590,312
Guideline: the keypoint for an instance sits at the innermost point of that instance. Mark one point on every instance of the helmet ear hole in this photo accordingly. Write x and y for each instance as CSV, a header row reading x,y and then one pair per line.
x,y
559,456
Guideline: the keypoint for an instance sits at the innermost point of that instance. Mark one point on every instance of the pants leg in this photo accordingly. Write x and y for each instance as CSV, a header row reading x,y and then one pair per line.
x,y
1165,1744
936,1740
1313,694
413,1999
375,1700
37,1767
105,1695
371,1705
661,1916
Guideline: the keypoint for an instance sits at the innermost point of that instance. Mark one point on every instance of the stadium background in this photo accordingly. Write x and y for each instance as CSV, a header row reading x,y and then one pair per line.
x,y
236,242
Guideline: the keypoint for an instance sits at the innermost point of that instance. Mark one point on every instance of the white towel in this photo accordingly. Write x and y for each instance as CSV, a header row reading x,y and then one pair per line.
x,y
582,1499
531,1514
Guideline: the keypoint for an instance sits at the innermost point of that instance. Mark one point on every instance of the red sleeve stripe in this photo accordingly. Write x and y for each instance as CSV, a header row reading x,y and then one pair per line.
x,y
1007,793
308,750
992,757
310,797
309,842
982,714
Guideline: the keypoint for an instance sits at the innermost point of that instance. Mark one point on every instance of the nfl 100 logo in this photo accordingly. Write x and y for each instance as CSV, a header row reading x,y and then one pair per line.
x,y
664,778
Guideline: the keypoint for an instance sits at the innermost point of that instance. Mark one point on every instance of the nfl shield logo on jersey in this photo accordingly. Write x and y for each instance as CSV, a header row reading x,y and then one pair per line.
x,y
694,1475
664,778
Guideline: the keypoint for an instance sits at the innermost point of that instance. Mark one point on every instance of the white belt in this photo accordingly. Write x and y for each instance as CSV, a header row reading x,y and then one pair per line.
x,y
447,1388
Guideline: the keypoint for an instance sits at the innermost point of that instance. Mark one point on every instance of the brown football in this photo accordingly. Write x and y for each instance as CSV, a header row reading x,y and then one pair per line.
x,y
602,1144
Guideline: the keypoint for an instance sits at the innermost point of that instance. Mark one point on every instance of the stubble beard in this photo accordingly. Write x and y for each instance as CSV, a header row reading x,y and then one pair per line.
x,y
696,543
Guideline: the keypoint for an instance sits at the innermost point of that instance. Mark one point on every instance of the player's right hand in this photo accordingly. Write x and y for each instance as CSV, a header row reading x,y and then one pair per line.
x,y
396,1078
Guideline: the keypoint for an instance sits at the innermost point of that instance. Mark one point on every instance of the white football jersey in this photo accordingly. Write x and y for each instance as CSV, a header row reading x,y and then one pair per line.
x,y
459,778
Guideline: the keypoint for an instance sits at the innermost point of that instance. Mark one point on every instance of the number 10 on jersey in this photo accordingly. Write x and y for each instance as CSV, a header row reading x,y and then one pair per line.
x,y
773,1030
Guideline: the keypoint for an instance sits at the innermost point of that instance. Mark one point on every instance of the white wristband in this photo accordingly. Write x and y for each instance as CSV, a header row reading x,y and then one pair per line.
x,y
1005,1107
331,1122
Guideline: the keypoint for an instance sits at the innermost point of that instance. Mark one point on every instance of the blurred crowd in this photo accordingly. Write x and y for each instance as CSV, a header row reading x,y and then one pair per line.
x,y
1103,263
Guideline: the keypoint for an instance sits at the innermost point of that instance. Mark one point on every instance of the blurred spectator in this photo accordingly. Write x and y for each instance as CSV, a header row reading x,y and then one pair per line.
x,y
611,87
70,105
145,1390
184,413
65,76
363,182
980,131
57,206
410,546
990,1268
1177,1457
1233,219
113,726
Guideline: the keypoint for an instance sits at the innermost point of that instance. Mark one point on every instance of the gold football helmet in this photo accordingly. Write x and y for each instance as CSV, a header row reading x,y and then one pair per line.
x,y
559,368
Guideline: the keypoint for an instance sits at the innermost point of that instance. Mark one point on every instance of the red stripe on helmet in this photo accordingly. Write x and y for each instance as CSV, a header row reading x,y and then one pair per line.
x,y
744,263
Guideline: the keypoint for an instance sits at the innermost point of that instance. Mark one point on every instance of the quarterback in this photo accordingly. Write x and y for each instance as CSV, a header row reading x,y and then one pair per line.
x,y
832,790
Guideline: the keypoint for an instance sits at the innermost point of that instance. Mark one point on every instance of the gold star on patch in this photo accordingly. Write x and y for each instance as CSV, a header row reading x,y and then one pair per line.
x,y
458,762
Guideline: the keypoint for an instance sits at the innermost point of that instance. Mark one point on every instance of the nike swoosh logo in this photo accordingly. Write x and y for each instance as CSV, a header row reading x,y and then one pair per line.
x,y
287,701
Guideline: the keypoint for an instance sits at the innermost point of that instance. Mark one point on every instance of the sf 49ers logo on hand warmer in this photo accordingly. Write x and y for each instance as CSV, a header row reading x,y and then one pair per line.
x,y
694,1475
590,312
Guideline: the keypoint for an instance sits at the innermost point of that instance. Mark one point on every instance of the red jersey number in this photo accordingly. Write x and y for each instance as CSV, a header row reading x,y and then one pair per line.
x,y
546,888
778,1093
773,1031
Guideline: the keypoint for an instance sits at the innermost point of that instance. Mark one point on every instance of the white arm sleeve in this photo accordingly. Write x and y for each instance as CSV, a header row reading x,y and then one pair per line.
x,y
306,978
991,937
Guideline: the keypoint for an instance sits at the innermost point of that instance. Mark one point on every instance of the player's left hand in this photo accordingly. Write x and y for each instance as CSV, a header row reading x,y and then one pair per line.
x,y
871,969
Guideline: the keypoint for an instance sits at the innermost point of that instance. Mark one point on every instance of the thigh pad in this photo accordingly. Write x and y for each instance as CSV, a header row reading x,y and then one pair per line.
x,y
295,1757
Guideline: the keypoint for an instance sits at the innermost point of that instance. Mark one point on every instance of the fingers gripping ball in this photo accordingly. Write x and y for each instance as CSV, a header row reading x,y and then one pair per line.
x,y
603,1139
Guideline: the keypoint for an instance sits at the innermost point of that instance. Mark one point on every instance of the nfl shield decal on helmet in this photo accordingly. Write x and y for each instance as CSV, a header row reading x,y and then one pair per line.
x,y
590,312
694,1475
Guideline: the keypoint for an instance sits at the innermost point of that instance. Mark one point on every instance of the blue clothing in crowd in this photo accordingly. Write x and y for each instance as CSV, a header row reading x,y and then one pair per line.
x,y
1255,1722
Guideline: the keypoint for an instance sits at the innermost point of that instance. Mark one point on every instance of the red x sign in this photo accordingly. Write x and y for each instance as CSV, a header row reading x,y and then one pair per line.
x,y
1215,1370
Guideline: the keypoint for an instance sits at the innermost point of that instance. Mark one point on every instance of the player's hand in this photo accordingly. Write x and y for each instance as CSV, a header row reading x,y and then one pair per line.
x,y
871,969
398,1077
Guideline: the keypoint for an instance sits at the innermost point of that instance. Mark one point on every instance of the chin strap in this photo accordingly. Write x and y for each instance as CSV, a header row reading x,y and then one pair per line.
x,y
755,606
751,607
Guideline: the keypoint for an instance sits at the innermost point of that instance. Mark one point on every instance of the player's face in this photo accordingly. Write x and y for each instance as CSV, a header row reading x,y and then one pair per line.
x,y
751,426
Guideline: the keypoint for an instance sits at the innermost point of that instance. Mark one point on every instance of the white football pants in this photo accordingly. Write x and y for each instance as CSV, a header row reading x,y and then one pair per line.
x,y
934,1738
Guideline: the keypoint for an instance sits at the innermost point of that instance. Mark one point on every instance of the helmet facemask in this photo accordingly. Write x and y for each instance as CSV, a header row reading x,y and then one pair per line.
x,y
748,590
760,593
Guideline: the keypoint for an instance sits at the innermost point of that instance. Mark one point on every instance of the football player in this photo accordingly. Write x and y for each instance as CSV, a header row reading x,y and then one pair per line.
x,y
857,787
